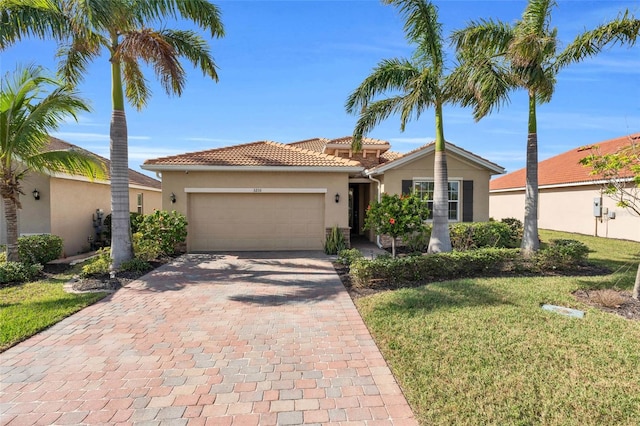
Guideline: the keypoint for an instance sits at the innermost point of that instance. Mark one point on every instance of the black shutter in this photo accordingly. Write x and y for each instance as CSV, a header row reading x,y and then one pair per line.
x,y
407,186
467,201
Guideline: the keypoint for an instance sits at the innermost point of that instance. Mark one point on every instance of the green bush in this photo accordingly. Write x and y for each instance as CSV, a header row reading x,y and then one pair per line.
x,y
134,221
561,254
397,272
97,265
18,272
335,241
418,242
348,256
474,235
516,229
135,265
165,229
145,249
43,248
3,256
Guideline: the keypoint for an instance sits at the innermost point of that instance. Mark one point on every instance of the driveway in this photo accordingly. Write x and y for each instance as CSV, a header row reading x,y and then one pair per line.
x,y
251,338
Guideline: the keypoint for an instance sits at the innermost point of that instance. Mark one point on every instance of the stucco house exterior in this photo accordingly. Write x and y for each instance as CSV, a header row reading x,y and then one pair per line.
x,y
66,204
570,198
274,196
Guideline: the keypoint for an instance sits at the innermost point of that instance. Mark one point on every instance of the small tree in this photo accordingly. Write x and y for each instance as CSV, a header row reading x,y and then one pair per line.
x,y
621,174
396,216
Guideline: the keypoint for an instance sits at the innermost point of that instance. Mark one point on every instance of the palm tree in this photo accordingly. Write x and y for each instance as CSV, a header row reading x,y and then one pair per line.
x,y
497,58
27,116
414,85
84,28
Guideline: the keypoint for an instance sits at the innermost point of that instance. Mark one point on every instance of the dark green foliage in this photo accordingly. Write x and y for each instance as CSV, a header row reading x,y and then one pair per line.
x,y
468,236
419,270
34,249
418,242
18,272
335,241
517,228
134,219
561,254
348,256
165,229
135,265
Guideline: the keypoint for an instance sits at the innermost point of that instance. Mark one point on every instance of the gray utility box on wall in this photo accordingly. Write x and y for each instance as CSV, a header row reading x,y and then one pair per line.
x,y
597,207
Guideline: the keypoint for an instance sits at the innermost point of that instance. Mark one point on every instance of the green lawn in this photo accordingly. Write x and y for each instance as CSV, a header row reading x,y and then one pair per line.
x,y
31,307
481,351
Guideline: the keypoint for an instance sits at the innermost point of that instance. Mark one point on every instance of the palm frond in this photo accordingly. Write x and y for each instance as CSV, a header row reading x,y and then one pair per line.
x,y
201,12
76,56
622,30
136,85
373,115
388,75
423,28
536,18
31,18
74,162
492,37
151,47
194,48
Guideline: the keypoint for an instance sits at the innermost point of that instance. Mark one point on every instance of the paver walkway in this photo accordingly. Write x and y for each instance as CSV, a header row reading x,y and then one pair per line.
x,y
208,339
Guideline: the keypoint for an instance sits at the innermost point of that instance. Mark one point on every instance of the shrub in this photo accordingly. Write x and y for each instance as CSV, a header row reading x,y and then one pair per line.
x,y
348,256
97,265
41,249
3,256
165,229
396,272
468,236
418,242
516,229
561,254
17,272
134,221
608,298
335,242
145,249
136,265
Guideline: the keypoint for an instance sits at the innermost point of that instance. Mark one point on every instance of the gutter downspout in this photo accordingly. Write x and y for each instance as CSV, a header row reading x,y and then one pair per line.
x,y
378,242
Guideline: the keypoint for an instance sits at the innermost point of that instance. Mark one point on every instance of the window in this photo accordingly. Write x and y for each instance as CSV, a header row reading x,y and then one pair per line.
x,y
140,206
424,189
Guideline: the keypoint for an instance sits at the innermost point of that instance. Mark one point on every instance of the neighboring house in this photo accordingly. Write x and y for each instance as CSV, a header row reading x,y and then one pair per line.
x,y
274,196
66,205
568,194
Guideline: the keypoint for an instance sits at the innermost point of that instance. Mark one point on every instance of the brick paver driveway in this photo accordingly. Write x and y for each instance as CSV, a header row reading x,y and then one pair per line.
x,y
216,339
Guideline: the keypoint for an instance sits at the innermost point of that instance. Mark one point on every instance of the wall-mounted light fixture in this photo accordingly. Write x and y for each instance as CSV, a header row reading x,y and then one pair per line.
x,y
172,197
337,198
36,194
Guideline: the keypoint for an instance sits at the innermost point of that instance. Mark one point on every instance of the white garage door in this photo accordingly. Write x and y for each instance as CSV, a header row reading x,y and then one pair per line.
x,y
256,221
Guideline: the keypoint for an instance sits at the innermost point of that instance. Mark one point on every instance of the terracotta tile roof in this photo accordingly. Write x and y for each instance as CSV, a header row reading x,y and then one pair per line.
x,y
263,153
316,144
320,144
135,178
563,168
346,140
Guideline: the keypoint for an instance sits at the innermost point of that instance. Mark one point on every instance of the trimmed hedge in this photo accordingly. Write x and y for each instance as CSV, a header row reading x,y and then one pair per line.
x,y
18,272
34,249
474,235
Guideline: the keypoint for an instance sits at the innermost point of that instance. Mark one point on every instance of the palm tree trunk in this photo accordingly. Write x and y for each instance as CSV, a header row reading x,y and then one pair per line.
x,y
530,240
121,247
636,287
440,240
11,218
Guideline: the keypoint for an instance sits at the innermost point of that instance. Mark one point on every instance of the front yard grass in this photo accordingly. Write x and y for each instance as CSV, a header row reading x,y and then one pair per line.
x,y
28,308
482,351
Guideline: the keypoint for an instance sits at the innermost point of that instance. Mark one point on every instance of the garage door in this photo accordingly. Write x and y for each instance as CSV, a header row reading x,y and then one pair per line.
x,y
256,222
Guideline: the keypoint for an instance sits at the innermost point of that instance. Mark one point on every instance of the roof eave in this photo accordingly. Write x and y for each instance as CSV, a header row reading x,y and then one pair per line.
x,y
206,168
561,185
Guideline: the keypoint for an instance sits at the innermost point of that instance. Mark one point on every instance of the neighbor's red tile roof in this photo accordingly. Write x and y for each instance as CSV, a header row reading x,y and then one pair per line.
x,y
564,168
135,178
263,153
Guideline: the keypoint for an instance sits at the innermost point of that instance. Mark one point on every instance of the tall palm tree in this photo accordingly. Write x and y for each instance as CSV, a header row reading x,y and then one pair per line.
x,y
497,58
83,29
413,85
32,104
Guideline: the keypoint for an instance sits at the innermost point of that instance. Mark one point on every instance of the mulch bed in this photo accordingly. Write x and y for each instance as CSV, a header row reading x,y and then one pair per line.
x,y
629,309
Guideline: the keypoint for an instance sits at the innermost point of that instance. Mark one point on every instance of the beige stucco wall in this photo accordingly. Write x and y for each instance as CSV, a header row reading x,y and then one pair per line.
x,y
570,209
335,213
151,200
457,168
34,217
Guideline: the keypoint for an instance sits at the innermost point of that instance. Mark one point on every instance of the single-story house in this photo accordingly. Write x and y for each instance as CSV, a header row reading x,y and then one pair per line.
x,y
274,196
570,198
66,205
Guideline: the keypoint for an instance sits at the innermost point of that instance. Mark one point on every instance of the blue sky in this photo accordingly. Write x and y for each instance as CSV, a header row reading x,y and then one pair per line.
x,y
287,67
